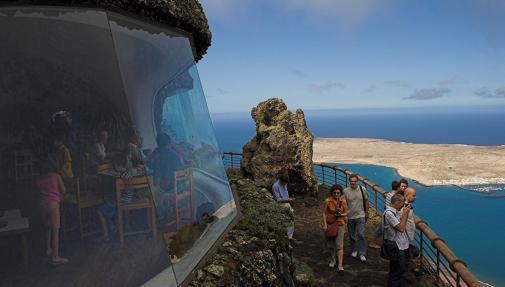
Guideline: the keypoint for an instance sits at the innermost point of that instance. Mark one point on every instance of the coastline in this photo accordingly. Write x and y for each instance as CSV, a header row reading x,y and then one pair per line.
x,y
428,164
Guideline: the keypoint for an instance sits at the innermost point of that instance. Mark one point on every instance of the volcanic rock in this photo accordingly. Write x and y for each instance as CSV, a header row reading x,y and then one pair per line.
x,y
282,143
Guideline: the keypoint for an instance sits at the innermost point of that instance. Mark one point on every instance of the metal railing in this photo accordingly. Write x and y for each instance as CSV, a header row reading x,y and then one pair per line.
x,y
435,256
232,159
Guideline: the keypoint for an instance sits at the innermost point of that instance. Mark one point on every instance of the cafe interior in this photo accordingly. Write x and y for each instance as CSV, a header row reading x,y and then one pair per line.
x,y
110,170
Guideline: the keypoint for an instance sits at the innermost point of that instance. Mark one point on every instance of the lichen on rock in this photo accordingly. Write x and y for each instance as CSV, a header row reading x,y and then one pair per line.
x,y
282,142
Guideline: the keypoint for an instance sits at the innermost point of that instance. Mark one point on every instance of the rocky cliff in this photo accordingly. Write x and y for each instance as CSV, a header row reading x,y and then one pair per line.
x,y
282,142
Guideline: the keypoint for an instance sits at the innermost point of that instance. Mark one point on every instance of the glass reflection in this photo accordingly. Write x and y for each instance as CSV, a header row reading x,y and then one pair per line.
x,y
75,194
110,166
192,195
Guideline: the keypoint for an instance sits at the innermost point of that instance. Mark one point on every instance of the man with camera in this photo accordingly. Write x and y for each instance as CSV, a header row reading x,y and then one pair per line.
x,y
395,225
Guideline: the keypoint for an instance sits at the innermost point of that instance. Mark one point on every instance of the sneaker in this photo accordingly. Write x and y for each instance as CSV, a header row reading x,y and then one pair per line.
x,y
340,269
354,254
362,258
332,264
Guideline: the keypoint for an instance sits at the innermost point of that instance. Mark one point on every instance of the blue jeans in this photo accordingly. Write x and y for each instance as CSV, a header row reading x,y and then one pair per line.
x,y
398,270
356,228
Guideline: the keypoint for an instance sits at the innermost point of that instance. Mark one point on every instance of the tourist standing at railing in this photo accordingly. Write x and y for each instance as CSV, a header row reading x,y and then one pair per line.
x,y
357,202
395,187
281,196
395,225
403,185
410,198
334,221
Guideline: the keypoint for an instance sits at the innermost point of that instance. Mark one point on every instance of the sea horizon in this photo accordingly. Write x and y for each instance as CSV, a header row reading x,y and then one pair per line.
x,y
481,126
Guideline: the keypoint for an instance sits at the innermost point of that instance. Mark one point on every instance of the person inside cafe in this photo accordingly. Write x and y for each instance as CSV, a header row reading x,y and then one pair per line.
x,y
99,153
107,212
134,156
164,161
51,188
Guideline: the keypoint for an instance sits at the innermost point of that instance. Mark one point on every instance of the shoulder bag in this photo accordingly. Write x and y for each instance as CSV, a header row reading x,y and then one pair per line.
x,y
389,248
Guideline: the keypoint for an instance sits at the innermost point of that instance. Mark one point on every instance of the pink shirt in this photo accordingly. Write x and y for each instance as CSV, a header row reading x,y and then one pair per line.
x,y
49,188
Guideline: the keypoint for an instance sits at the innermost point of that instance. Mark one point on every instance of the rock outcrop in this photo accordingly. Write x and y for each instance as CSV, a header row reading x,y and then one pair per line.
x,y
282,142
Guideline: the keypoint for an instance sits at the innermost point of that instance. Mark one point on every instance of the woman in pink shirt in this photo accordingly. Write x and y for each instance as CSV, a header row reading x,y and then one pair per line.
x,y
51,187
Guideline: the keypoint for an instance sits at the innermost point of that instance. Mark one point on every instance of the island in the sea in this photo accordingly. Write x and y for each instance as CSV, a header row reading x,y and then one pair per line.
x,y
429,164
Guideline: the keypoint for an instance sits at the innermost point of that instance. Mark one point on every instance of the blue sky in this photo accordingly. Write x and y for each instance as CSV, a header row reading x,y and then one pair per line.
x,y
325,54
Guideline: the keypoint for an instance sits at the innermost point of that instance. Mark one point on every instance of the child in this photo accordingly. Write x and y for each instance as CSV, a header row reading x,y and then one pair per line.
x,y
51,187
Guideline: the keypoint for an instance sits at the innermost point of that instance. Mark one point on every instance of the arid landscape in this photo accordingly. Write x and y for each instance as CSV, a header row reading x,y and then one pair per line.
x,y
429,164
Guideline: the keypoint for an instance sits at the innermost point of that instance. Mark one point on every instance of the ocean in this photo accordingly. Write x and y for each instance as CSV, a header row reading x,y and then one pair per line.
x,y
468,221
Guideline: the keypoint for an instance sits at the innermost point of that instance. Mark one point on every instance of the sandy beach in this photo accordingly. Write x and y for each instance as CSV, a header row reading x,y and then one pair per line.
x,y
429,164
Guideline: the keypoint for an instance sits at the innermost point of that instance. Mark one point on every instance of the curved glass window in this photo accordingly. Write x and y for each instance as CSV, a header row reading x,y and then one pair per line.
x,y
110,167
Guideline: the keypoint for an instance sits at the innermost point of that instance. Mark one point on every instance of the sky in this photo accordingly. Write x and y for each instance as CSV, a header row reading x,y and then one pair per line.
x,y
347,54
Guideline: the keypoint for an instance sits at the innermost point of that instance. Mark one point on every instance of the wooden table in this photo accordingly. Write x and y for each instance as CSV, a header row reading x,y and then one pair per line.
x,y
16,226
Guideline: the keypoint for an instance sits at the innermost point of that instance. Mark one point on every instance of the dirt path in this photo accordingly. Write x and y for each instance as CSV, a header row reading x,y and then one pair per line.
x,y
312,250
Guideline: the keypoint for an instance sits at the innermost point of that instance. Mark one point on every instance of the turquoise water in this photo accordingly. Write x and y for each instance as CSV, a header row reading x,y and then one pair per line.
x,y
471,224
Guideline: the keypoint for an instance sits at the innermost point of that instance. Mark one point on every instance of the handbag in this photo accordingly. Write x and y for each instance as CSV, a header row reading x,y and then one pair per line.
x,y
414,251
331,230
389,248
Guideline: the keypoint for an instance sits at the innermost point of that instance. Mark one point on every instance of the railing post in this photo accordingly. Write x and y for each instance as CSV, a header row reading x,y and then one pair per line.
x,y
335,175
438,265
421,248
376,203
322,171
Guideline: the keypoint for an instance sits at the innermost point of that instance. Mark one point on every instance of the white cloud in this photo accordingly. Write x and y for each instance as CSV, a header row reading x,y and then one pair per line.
x,y
349,13
398,83
299,73
428,94
487,93
451,81
371,89
325,87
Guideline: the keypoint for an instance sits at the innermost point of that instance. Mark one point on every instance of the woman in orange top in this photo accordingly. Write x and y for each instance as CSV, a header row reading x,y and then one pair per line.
x,y
334,221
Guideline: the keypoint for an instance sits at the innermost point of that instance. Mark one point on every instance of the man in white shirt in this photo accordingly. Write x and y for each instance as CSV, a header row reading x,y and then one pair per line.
x,y
410,198
281,196
357,203
395,225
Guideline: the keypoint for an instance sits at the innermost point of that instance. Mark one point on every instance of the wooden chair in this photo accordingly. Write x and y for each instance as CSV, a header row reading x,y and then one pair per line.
x,y
135,184
184,200
23,165
86,203
104,167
